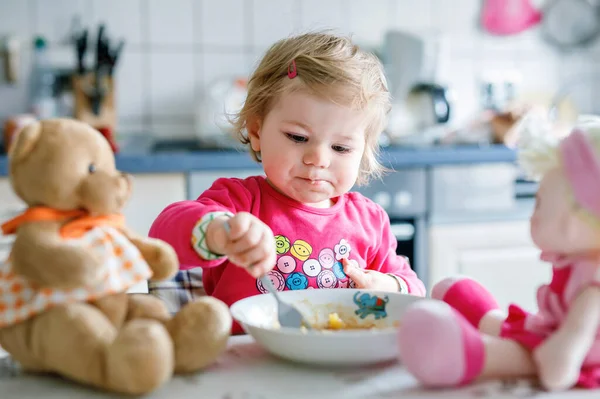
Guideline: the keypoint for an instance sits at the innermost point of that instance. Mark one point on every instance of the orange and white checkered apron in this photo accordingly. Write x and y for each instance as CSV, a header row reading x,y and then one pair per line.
x,y
123,266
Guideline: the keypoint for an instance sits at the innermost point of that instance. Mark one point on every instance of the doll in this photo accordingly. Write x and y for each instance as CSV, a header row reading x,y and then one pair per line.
x,y
462,336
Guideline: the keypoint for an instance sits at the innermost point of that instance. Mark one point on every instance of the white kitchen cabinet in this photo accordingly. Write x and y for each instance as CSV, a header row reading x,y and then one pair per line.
x,y
5,246
10,206
500,255
151,193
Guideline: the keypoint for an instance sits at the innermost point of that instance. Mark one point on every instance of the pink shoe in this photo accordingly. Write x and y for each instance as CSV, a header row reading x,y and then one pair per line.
x,y
438,345
467,296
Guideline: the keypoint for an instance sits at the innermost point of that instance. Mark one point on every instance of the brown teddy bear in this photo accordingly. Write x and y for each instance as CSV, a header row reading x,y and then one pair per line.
x,y
63,302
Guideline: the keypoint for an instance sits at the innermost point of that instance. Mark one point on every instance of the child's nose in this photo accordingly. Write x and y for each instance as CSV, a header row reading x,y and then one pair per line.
x,y
317,156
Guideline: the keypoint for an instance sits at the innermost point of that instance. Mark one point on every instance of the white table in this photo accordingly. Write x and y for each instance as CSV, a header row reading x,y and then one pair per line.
x,y
245,371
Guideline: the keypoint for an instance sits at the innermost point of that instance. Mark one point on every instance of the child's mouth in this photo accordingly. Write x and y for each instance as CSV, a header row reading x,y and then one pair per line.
x,y
315,182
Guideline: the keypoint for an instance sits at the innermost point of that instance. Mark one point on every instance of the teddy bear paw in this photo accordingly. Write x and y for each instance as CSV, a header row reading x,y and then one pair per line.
x,y
163,260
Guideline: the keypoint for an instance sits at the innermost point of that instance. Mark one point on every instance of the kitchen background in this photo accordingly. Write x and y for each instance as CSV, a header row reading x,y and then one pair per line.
x,y
456,200
175,49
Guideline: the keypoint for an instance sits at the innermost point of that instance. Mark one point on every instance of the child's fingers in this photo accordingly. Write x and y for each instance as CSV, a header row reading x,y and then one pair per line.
x,y
360,278
253,250
249,258
263,267
250,239
263,251
238,225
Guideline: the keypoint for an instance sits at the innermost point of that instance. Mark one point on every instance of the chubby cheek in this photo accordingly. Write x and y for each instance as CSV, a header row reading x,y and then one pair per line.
x,y
345,165
277,172
346,179
278,160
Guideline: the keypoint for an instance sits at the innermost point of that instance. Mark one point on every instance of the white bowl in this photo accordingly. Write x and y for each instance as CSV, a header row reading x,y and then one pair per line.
x,y
258,317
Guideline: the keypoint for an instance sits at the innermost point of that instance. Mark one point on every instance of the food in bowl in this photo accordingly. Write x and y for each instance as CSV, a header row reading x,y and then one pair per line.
x,y
367,312
335,323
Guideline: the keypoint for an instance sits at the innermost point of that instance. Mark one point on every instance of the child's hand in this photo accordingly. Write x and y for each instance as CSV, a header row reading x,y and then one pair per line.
x,y
369,279
245,240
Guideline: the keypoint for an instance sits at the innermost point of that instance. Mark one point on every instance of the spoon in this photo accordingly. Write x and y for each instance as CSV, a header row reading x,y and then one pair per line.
x,y
287,315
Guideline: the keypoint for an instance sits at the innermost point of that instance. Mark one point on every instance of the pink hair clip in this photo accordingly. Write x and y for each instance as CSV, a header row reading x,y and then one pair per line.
x,y
292,71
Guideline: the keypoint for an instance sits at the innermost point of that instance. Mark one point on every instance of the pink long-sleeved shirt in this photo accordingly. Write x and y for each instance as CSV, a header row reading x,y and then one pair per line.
x,y
310,241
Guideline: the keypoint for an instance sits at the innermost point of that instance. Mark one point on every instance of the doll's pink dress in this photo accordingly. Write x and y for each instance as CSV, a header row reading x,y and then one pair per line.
x,y
570,275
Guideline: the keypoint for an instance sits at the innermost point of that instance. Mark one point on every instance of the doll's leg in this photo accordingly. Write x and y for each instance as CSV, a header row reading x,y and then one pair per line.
x,y
199,331
441,348
491,322
79,342
473,301
505,358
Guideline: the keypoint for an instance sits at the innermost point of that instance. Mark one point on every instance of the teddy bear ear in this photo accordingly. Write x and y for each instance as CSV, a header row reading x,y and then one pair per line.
x,y
25,141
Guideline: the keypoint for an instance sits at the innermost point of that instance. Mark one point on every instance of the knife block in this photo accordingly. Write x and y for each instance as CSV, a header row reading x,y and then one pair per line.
x,y
83,85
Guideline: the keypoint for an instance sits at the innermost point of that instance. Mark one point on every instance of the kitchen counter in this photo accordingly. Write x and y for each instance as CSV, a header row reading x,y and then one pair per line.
x,y
144,155
257,375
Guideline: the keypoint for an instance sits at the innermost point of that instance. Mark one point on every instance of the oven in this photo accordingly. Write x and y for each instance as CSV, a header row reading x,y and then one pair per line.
x,y
402,194
411,241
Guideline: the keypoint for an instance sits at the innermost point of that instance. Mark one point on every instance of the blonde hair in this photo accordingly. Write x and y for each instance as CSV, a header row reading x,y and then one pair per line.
x,y
330,67
539,139
539,151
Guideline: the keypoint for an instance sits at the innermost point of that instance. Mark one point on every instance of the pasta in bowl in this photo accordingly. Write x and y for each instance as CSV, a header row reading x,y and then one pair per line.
x,y
348,326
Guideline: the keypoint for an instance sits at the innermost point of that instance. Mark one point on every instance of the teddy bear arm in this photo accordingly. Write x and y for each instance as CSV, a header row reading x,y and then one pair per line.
x,y
44,258
161,257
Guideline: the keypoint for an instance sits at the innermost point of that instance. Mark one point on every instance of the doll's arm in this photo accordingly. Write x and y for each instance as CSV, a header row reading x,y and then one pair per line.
x,y
43,257
582,321
159,255
559,358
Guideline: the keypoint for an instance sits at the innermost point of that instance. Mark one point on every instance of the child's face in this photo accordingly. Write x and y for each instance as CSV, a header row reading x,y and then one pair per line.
x,y
311,148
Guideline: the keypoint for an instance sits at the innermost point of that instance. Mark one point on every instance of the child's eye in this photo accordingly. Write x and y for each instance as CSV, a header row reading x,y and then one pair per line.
x,y
339,148
296,138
